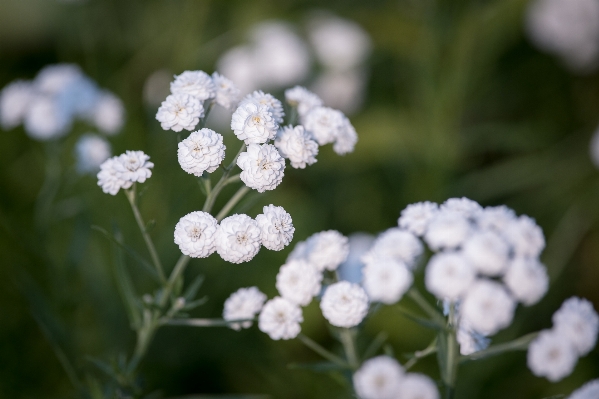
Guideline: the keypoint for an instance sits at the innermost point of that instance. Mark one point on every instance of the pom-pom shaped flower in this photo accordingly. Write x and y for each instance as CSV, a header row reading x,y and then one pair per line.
x,y
527,280
417,386
346,138
267,99
379,378
47,119
262,167
495,218
487,307
14,102
91,150
254,123
395,244
464,206
195,234
134,166
386,281
180,111
243,304
109,113
109,177
324,124
297,145
276,227
325,250
525,236
227,94
201,151
53,79
303,99
449,275
280,319
298,281
416,217
577,322
344,304
238,238
488,252
447,230
551,356
195,83
590,390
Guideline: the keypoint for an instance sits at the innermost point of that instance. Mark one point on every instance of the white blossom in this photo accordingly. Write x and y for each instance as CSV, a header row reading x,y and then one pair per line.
x,y
525,236
238,238
324,124
109,177
262,167
134,166
379,378
527,280
468,208
487,307
201,151
449,276
109,113
227,94
342,90
254,123
195,83
14,102
495,218
386,281
53,79
297,145
280,319
416,217
551,356
298,281
180,111
346,138
276,227
590,390
326,249
395,244
417,386
275,105
195,234
577,322
46,118
344,304
447,230
488,252
303,99
243,304
91,151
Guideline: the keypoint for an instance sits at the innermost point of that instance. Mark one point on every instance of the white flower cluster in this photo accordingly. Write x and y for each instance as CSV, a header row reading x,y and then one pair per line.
x,y
91,151
555,352
243,304
382,377
124,170
48,105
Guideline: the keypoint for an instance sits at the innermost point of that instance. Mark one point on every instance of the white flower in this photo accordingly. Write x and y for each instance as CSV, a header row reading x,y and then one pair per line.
x,y
487,307
324,124
298,281
239,65
395,244
447,230
109,177
201,151
134,166
262,167
280,319
109,113
243,304
590,390
379,378
195,234
180,111
195,83
254,123
276,227
449,276
53,79
417,386
527,280
470,341
46,118
303,99
327,249
416,217
297,145
386,281
227,94
238,238
488,252
525,236
91,151
495,218
551,356
346,138
464,206
14,102
577,322
267,99
344,304
342,90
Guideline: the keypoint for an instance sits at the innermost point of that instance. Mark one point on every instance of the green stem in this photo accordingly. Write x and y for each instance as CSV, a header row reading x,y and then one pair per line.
x,y
349,346
322,351
517,344
429,350
142,227
172,280
144,338
203,322
232,202
205,118
453,353
425,306
224,180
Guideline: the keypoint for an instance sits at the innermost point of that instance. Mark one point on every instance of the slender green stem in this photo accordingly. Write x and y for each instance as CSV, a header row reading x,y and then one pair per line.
x,y
425,306
517,344
453,352
375,345
144,338
349,346
205,118
322,351
172,280
224,180
429,350
243,190
203,322
142,227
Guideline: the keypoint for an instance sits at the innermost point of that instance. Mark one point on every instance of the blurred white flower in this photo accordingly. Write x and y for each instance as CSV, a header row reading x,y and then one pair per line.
x,y
238,238
46,118
201,151
195,83
325,250
496,218
449,276
344,91
488,252
266,99
227,94
238,63
379,378
346,138
297,145
280,319
487,307
551,356
344,304
386,280
243,304
254,123
447,230
195,234
276,227
180,111
91,151
466,207
527,280
525,236
262,167
303,99
298,281
417,386
577,322
15,99
416,217
324,124
590,390
397,245
109,113
52,79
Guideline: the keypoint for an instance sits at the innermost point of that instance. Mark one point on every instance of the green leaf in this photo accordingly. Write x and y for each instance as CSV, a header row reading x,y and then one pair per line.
x,y
195,304
193,288
419,320
150,225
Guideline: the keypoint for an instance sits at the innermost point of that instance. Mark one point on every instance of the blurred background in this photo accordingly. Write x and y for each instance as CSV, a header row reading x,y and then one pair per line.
x,y
449,98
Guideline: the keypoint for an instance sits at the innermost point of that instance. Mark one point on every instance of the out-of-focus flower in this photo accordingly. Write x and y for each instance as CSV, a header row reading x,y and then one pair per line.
x,y
195,234
324,124
525,236
195,83
417,386
303,99
298,281
262,167
344,304
344,91
397,245
379,378
577,322
238,238
297,145
551,356
351,269
46,118
590,390
487,307
90,151
201,151
180,111
527,280
346,139
243,304
15,99
280,319
109,113
488,252
276,227
447,230
227,94
386,281
325,250
449,276
254,123
470,341
464,206
416,217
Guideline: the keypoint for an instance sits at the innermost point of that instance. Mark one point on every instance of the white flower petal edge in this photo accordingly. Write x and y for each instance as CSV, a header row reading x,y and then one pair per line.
x,y
201,151
238,238
276,227
195,234
195,83
299,282
280,319
180,111
297,145
244,303
551,356
262,167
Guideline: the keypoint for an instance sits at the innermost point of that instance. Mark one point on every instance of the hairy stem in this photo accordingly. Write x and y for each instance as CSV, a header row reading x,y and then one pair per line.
x,y
172,280
425,306
243,190
349,346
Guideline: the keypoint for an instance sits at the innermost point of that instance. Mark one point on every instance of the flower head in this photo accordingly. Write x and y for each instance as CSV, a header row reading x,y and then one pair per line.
x,y
109,177
590,390
577,322
201,151
238,238
195,234
303,99
269,100
344,304
346,138
397,245
47,118
280,319
262,167
134,166
195,83
464,206
487,307
14,102
325,250
298,281
379,378
525,236
254,123
417,386
91,150
527,280
447,230
244,303
324,124
449,276
416,217
276,227
227,94
488,252
109,113
297,145
386,280
551,356
180,111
